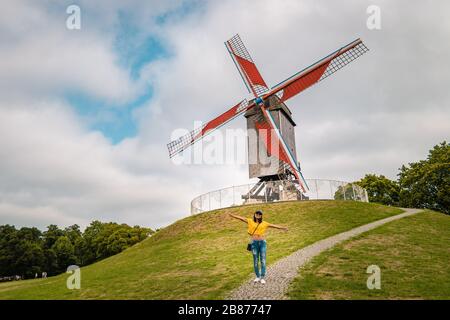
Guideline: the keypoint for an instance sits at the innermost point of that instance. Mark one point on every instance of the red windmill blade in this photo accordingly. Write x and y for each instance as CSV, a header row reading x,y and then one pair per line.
x,y
318,71
183,142
246,66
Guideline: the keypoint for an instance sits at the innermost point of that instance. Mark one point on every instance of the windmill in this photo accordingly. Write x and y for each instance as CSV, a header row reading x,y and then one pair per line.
x,y
271,151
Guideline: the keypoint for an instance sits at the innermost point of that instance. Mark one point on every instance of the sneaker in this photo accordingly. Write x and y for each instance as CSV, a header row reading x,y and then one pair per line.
x,y
256,279
263,281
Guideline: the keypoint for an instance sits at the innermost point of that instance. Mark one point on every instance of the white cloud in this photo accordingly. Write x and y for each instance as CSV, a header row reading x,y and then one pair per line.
x,y
43,58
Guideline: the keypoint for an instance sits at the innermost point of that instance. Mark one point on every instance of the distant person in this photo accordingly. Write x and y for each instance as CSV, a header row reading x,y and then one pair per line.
x,y
258,245
35,275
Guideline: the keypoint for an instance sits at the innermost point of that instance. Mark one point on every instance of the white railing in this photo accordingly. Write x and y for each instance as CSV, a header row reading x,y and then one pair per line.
x,y
273,191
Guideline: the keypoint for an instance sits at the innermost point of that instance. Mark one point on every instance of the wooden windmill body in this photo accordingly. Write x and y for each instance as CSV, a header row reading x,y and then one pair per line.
x,y
263,165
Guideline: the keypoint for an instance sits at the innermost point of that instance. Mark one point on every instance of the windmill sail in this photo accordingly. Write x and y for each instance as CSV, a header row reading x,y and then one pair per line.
x,y
183,142
318,71
284,90
246,66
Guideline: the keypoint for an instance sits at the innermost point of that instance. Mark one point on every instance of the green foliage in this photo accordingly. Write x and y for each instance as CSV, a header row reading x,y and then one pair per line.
x,y
344,192
8,242
426,184
51,235
30,259
65,253
28,251
380,189
102,240
20,250
73,232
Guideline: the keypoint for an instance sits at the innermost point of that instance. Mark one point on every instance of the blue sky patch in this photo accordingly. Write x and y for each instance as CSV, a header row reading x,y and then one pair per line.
x,y
134,48
186,8
116,122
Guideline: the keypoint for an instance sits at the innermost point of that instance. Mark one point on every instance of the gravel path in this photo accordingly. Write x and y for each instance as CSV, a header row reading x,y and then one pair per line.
x,y
280,274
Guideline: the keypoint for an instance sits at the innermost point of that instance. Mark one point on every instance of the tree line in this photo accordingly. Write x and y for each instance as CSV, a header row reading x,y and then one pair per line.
x,y
29,251
423,184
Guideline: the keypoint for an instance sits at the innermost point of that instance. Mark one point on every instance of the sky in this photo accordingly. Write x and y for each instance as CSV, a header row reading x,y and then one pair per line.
x,y
85,114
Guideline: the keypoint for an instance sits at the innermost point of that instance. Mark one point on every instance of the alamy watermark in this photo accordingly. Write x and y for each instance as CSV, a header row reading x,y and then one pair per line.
x,y
374,20
73,21
374,280
74,281
232,147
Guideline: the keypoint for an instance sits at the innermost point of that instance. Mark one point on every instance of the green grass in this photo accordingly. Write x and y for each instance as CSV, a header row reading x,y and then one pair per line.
x,y
202,256
413,254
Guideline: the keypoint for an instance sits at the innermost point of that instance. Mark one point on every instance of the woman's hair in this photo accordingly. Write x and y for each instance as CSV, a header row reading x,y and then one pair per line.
x,y
254,216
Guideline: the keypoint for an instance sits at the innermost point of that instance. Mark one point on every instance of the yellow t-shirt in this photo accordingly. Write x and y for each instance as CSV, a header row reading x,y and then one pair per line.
x,y
261,228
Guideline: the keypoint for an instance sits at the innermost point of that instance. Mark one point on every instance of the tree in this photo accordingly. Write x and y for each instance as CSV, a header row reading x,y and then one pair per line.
x,y
20,251
76,238
8,244
30,234
65,253
344,192
51,235
73,233
30,259
51,262
425,184
88,245
113,238
380,189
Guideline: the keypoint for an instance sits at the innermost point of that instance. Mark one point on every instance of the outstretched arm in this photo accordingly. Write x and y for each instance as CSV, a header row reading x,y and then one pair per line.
x,y
278,227
238,217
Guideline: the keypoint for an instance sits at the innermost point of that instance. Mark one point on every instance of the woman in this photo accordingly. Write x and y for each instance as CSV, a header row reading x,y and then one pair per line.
x,y
256,229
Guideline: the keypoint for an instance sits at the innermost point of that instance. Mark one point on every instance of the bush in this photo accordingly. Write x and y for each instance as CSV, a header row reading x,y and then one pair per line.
x,y
380,189
426,184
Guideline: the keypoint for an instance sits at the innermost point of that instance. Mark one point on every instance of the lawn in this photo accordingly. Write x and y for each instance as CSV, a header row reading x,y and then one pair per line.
x,y
413,254
202,256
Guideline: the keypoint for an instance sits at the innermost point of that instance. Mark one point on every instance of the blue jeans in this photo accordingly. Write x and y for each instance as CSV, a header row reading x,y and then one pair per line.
x,y
259,248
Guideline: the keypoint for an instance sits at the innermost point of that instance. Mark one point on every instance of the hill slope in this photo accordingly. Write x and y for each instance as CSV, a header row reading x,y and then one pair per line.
x,y
413,255
202,256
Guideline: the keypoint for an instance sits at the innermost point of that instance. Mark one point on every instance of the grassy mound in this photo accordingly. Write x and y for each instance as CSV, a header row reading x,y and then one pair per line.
x,y
413,254
202,256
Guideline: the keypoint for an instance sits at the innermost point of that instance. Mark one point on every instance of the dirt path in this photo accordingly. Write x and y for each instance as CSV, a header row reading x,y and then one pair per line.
x,y
280,274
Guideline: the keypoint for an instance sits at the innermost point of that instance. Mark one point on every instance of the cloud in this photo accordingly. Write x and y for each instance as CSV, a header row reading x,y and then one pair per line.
x,y
41,57
51,164
387,108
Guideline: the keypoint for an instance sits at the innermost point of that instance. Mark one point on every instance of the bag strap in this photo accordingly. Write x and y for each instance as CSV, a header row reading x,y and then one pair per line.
x,y
256,228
